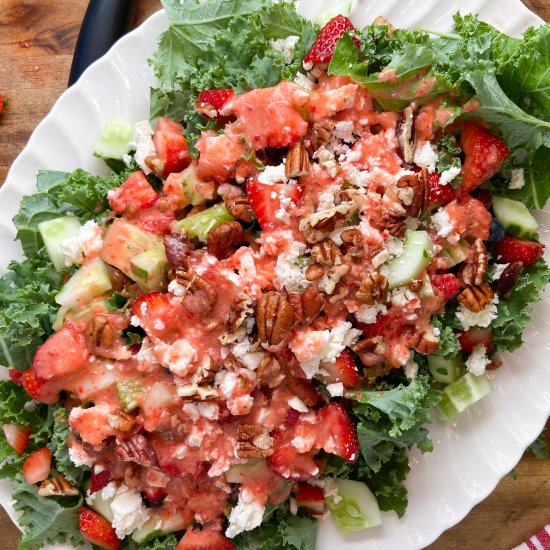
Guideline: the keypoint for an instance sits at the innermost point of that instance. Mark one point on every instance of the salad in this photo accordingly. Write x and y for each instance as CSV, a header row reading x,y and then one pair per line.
x,y
320,239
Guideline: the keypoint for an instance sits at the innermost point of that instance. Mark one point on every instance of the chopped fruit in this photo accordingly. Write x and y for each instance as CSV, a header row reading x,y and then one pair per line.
x,y
134,194
16,376
2,104
167,125
511,249
98,530
207,539
37,466
171,148
447,283
342,370
99,480
287,462
153,496
440,194
151,309
373,329
17,436
38,390
210,102
476,335
484,196
484,153
338,435
496,232
311,498
323,47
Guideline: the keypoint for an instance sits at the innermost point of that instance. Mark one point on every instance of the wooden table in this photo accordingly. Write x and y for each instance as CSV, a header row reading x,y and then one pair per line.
x,y
37,39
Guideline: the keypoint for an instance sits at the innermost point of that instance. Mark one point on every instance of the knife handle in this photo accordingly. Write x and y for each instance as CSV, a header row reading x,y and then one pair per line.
x,y
104,23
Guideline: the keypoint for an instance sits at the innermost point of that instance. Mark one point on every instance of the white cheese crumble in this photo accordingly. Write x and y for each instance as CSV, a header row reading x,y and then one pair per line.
x,y
129,513
303,81
426,157
442,223
368,314
143,144
482,318
517,180
297,404
288,271
135,321
79,457
273,174
286,46
251,360
179,357
499,270
146,353
325,201
411,368
336,389
176,289
247,515
394,246
87,243
447,176
344,130
478,360
329,487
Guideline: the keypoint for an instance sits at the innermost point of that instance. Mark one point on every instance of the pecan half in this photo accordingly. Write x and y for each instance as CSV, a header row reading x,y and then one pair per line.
x,y
297,161
327,253
254,441
475,298
373,290
240,208
508,279
394,224
138,450
57,487
121,421
495,364
352,236
317,226
304,390
269,372
314,272
222,239
475,268
428,343
178,249
420,185
405,135
202,290
274,318
306,306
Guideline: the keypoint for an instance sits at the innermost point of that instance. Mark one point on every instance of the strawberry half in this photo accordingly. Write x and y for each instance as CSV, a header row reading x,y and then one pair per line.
x,y
342,370
207,539
440,194
211,102
446,283
38,390
98,530
311,498
16,376
134,194
322,49
511,249
338,435
17,436
476,335
37,466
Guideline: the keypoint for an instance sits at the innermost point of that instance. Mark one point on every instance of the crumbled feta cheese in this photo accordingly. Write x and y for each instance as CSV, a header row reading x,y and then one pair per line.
x,y
135,321
289,273
303,81
517,180
286,46
297,404
292,505
368,314
478,360
282,213
442,223
88,243
404,296
344,130
251,360
176,289
78,456
273,174
447,176
436,331
329,487
303,444
336,389
129,513
426,157
499,270
209,410
146,353
411,368
325,201
179,357
247,515
394,246
158,325
482,318
143,144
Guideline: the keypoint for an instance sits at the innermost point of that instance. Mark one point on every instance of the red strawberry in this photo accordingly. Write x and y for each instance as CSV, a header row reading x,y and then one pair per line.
x,y
98,530
440,194
377,328
99,480
168,125
446,283
17,436
172,152
484,154
474,336
38,390
292,417
264,202
338,434
287,462
153,495
16,376
323,48
134,194
151,308
37,466
342,370
210,102
311,498
511,249
207,539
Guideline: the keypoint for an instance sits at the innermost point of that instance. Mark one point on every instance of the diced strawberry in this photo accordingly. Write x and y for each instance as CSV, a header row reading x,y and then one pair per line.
x,y
476,335
440,194
37,466
134,194
63,353
151,308
98,530
511,249
322,49
99,480
287,462
292,417
447,283
38,390
265,200
484,196
17,436
16,376
338,435
377,328
172,152
167,125
152,220
210,102
484,155
311,498
153,495
342,370
207,539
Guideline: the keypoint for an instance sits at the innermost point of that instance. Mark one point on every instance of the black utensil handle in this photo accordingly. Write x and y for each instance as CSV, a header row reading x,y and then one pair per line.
x,y
104,23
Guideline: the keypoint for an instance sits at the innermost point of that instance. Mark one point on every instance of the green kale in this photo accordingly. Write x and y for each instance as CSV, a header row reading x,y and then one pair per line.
x,y
539,447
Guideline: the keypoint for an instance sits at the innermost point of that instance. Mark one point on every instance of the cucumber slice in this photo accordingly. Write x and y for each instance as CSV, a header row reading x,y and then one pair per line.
x,y
158,526
462,393
102,506
455,254
445,369
114,140
358,508
199,225
515,217
239,473
417,254
57,230
150,269
330,9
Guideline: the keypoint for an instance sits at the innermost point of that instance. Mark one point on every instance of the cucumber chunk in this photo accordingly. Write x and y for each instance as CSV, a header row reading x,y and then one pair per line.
x,y
455,254
129,394
417,254
462,393
199,225
444,369
358,508
102,506
150,269
158,526
114,140
515,217
239,473
53,232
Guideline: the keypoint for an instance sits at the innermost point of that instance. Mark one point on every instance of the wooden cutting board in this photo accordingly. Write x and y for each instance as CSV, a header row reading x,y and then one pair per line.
x,y
37,39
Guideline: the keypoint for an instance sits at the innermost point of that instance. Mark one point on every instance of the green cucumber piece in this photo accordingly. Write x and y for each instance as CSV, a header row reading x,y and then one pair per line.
x,y
102,506
239,473
337,7
158,526
150,269
455,254
445,369
53,232
114,140
462,393
417,254
199,225
358,508
515,217
129,394
190,180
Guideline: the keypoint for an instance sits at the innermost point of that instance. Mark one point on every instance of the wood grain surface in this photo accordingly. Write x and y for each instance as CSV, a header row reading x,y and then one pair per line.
x,y
37,39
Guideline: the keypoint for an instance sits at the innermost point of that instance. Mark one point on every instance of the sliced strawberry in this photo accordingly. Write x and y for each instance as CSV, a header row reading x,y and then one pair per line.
x,y
38,390
134,194
378,328
476,335
152,220
440,194
172,152
154,312
207,539
16,376
17,436
511,249
211,102
98,530
287,462
168,125
311,498
37,466
322,49
265,200
99,480
342,370
484,155
338,435
447,283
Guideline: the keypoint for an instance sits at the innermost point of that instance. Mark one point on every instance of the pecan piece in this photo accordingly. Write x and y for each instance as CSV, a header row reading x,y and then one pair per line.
x,y
269,372
274,317
372,344
333,277
57,487
304,390
381,21
318,225
297,161
222,239
327,253
379,255
254,441
314,272
405,135
306,306
475,268
428,343
475,298
138,450
178,249
373,290
495,364
198,393
420,185
121,421
508,279
320,134
203,291
104,340
394,224
241,310
240,208
352,236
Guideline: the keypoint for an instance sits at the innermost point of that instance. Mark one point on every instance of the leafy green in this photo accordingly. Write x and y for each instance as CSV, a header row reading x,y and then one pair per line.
x,y
539,447
156,543
448,340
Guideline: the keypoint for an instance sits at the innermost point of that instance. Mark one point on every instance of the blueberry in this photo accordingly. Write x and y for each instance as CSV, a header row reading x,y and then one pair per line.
x,y
496,232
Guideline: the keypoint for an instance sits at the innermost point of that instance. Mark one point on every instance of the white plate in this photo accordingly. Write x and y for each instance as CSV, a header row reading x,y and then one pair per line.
x,y
471,454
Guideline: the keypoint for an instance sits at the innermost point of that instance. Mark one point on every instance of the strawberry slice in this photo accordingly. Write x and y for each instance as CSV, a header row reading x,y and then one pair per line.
x,y
37,466
168,125
476,335
16,376
17,436
287,462
338,435
38,390
211,102
99,480
440,194
153,496
311,498
511,249
173,155
446,283
342,370
484,153
98,530
154,312
378,328
207,539
265,200
134,194
322,49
